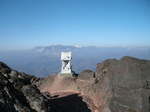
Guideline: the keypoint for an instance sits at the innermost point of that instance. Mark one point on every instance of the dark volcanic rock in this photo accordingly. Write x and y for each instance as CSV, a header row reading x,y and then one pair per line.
x,y
17,94
8,97
116,86
85,81
37,81
36,100
86,75
121,85
4,69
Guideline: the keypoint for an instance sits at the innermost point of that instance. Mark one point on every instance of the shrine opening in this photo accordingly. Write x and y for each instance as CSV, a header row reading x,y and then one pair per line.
x,y
66,70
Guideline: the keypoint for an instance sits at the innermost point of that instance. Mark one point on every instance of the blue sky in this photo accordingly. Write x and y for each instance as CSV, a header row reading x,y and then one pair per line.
x,y
25,24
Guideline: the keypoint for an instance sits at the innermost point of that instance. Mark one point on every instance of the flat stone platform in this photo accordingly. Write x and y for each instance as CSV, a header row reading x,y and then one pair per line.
x,y
65,75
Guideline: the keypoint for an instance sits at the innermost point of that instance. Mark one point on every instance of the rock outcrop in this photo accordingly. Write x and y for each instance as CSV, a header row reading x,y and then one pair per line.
x,y
36,100
18,94
54,84
116,86
122,84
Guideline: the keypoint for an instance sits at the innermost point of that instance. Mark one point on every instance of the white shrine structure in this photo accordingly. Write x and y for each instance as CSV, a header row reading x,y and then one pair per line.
x,y
66,68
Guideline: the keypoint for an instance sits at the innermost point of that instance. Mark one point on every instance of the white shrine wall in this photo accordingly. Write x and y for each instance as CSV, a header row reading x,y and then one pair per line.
x,y
65,57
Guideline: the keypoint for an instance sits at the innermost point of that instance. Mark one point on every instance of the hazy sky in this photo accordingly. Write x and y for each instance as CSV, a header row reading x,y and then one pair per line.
x,y
27,23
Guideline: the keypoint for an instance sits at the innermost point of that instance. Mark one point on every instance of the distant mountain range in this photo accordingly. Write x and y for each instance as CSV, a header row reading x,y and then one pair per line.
x,y
43,61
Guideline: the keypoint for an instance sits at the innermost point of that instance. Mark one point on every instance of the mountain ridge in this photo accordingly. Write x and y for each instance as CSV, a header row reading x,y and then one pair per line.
x,y
84,57
97,47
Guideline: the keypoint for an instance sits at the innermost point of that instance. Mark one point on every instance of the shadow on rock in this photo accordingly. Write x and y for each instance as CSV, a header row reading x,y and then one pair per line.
x,y
70,103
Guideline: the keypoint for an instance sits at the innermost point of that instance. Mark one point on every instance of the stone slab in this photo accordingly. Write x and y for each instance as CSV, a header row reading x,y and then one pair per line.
x,y
65,75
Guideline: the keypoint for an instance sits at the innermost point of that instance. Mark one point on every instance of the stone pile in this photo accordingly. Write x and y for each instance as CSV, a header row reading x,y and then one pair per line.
x,y
18,94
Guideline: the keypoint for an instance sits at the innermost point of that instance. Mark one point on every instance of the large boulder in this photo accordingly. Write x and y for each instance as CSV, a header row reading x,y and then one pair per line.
x,y
86,75
122,85
85,81
36,100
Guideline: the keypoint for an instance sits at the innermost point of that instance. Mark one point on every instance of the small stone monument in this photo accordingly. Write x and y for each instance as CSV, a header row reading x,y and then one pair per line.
x,y
66,68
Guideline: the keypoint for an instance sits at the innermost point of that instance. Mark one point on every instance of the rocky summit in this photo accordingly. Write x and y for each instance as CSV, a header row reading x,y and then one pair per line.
x,y
116,86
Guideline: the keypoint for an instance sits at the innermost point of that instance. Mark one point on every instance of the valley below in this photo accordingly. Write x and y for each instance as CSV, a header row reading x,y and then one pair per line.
x,y
43,61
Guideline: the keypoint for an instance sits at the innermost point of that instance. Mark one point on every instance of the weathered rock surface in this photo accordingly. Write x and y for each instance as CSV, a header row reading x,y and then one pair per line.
x,y
116,86
37,81
85,81
36,100
123,85
18,94
55,84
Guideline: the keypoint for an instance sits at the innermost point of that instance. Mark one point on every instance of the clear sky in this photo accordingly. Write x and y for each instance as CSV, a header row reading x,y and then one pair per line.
x,y
25,24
